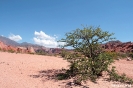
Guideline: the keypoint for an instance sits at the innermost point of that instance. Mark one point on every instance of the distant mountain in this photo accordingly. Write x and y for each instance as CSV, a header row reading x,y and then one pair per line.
x,y
35,46
114,46
8,41
28,46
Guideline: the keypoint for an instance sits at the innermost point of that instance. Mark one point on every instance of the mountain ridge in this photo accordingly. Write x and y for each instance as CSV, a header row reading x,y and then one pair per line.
x,y
10,42
113,46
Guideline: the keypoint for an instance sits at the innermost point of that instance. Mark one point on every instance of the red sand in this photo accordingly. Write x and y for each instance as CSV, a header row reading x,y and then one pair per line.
x,y
22,71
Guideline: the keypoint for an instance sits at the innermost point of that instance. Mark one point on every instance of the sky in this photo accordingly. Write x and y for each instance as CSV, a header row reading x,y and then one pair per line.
x,y
44,22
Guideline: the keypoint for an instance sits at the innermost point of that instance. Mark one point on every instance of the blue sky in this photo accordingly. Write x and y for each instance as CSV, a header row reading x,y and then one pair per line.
x,y
45,21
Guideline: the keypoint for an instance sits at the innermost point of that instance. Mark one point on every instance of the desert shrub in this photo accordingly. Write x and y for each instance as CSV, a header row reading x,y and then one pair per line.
x,y
64,53
118,55
41,52
88,59
121,78
31,53
114,55
130,55
11,51
122,55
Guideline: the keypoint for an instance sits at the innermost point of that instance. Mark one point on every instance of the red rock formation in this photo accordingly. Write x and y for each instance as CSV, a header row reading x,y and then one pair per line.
x,y
30,50
118,46
4,47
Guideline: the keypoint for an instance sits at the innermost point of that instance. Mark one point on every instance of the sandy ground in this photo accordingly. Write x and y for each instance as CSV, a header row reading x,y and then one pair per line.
x,y
28,71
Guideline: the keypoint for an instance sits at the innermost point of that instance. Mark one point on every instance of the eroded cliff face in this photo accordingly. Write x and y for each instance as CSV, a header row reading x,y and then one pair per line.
x,y
4,47
118,46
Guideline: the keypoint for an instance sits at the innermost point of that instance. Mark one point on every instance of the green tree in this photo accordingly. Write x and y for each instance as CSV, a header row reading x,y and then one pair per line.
x,y
88,60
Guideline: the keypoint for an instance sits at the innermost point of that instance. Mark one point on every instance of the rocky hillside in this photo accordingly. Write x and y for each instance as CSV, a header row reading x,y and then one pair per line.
x,y
7,44
12,43
23,47
8,41
17,49
118,46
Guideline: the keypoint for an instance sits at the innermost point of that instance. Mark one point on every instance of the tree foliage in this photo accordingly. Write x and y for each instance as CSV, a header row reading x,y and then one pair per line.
x,y
88,60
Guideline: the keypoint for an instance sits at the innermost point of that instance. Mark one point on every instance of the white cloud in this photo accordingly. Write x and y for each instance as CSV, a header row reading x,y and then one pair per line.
x,y
15,37
45,40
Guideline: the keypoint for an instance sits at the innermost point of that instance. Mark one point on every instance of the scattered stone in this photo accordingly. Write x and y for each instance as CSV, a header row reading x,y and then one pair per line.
x,y
129,59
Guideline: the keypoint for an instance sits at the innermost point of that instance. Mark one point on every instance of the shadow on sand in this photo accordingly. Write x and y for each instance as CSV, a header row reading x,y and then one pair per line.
x,y
52,75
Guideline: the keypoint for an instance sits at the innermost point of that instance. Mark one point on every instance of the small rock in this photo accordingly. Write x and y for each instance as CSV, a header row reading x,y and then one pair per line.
x,y
129,59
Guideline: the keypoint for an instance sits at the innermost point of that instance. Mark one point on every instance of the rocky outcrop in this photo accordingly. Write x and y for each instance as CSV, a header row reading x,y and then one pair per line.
x,y
117,46
4,47
30,50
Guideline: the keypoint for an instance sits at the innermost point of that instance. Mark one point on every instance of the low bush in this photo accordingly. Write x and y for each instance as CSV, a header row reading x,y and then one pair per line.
x,y
131,55
11,51
114,76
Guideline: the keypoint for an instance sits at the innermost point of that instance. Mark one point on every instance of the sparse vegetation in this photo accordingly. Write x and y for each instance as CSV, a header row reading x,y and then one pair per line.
x,y
64,53
41,52
117,55
89,60
121,78
11,51
31,53
131,55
